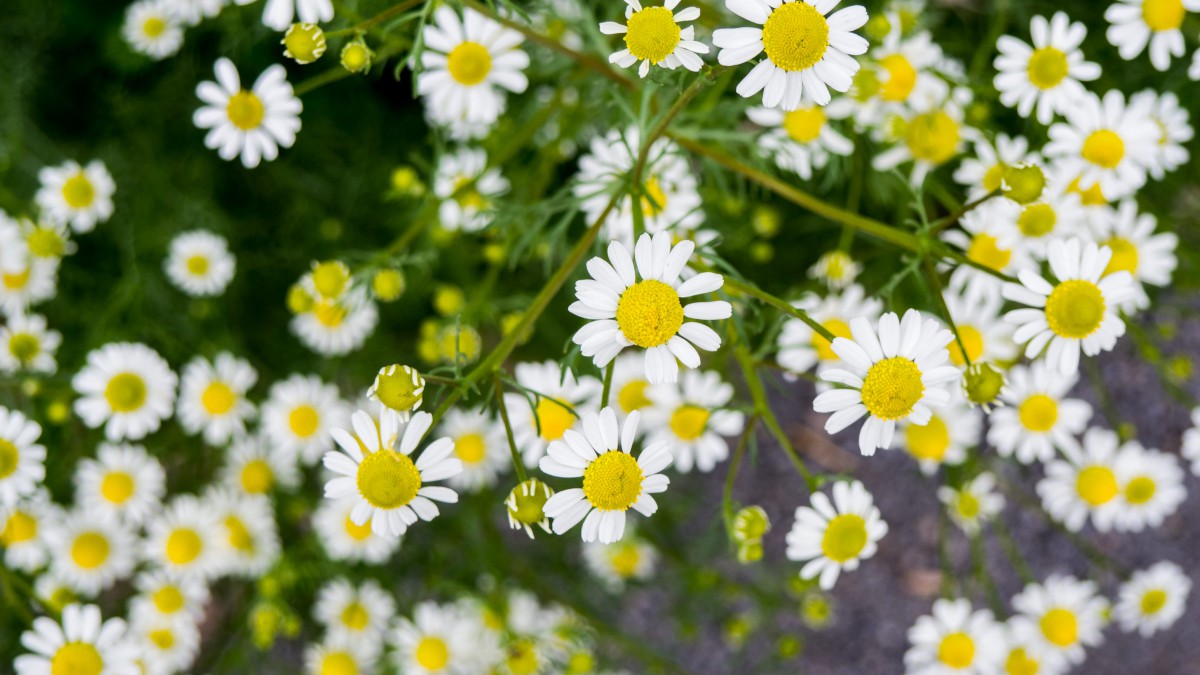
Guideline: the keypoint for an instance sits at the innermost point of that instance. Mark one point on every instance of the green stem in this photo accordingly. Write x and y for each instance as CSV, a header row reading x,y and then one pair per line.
x,y
518,463
734,465
747,288
940,299
608,374
1015,557
763,408
942,223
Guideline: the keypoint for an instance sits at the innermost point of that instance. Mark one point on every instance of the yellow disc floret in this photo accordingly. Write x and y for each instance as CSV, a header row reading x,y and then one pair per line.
x,y
652,34
1038,413
689,422
1075,309
649,313
795,36
432,653
553,418
613,481
929,442
957,650
1162,15
1060,627
469,63
218,398
78,191
184,546
1047,67
892,388
1124,256
76,658
117,487
125,392
1140,490
804,125
1096,485
90,550
985,250
388,479
1104,148
933,137
845,537
245,110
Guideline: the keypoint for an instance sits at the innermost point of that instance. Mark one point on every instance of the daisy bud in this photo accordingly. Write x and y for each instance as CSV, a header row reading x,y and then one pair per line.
x,y
982,384
750,552
398,387
304,42
298,300
458,344
766,221
330,279
356,56
388,285
448,300
750,524
524,505
1024,183
58,412
816,610
405,181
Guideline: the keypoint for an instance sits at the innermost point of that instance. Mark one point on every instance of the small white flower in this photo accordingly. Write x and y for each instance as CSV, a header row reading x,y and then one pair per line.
x,y
338,653
249,537
151,28
298,414
801,348
480,444
1148,257
164,646
199,263
1153,599
835,537
654,37
23,530
836,269
1151,486
1104,142
186,538
335,327
973,504
691,420
255,466
82,640
619,563
363,612
928,136
212,397
28,344
343,539
1174,128
1025,650
468,190
988,238
252,123
91,550
547,406
76,195
126,387
123,481
1036,417
443,639
1157,22
176,597
954,638
945,438
22,459
800,140
1069,613
1085,484
1048,75
984,173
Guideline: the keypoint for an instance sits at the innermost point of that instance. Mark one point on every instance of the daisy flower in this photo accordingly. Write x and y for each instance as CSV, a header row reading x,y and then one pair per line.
x,y
536,641
835,269
1174,129
29,284
830,537
1025,650
438,639
390,489
973,504
1079,311
1148,257
212,397
279,14
123,481
691,420
164,647
46,241
251,123
1036,417
1151,484
480,444
343,539
249,538
92,550
362,612
1153,599
22,459
983,173
802,139
298,414
807,51
83,643
1057,215
23,529
1104,142
613,481
341,654
176,597
254,466
903,71
629,387
466,63
1048,74
468,189
28,344
151,28
335,327
930,136
77,195
126,387
1134,23
624,311
1070,614
199,263
619,563
186,538
984,335
945,438
801,348
654,37
893,374
953,638
670,197
1085,484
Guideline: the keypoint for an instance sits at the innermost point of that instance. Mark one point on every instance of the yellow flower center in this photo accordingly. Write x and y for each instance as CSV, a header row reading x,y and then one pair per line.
x,y
245,110
469,63
929,442
1038,413
985,251
972,339
1096,485
470,448
388,479
197,265
933,137
1020,663
613,481
528,500
866,83
338,663
240,537
1163,14
804,125
967,505
432,653
837,264
168,599
355,616
522,658
1153,601
126,392
257,477
1124,256
625,560
90,550
162,638
633,396
1140,490
824,347
654,200
76,658
24,346
20,528
117,487
1060,627
154,27
9,458
358,532
553,417
467,196
17,280
845,537
78,191
303,420
1104,148
892,387
795,36
957,650
397,390
330,278
184,546
218,398
45,242
689,421
649,313
1075,309
1047,67
1092,196
901,80
994,176
330,314
1037,220
652,34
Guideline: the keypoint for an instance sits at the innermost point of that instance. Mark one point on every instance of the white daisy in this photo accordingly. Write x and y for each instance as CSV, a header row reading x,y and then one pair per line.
x,y
547,407
624,312
807,52
29,284
1057,215
654,37
1025,650
1070,614
954,638
335,327
83,643
1153,599
1085,484
1157,22
341,655
186,538
1036,417
363,612
1174,127
279,14
945,438
77,195
1077,312
1148,257
179,598
973,504
298,414
691,420
1048,74
212,397
902,72
22,459
126,387
983,173
199,263
255,466
439,639
1104,142
801,348
123,480
985,337
468,190
390,488
929,136
249,539
1151,484
45,240
343,539
629,387
251,123
480,444
151,28
23,530
835,269
92,550
897,373
613,481
164,647
830,537
617,564
800,140
28,344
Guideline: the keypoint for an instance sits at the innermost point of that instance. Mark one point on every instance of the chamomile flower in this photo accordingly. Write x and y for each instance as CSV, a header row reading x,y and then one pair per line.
x,y
1025,651
27,285
390,488
212,397
467,62
253,123
629,388
619,563
692,421
335,327
1151,484
945,438
92,550
249,537
27,344
836,269
975,503
298,414
1077,312
438,639
929,137
554,399
647,313
126,387
670,198
199,263
954,638
807,52
123,481
1153,599
1069,613
151,28
983,173
613,481
902,72
800,140
343,539
468,189
254,466
83,643
1084,484
1057,215
801,348
164,647
1134,23
654,37
896,373
1174,128
480,444
1104,142
398,388
80,196
363,612
22,459
186,538
1148,257
1048,73
176,597
1037,418
980,329
341,655
279,14
831,537
23,527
